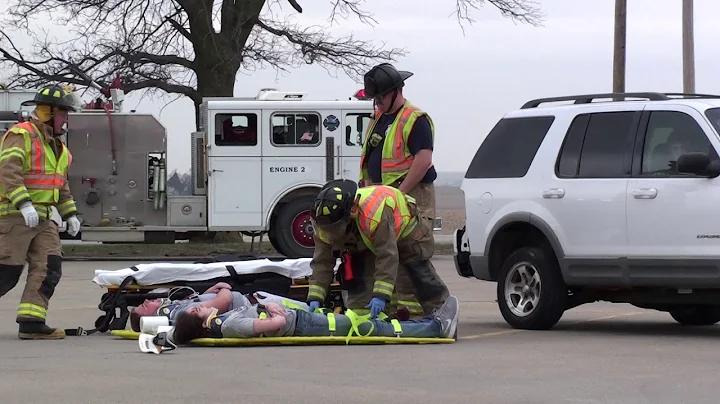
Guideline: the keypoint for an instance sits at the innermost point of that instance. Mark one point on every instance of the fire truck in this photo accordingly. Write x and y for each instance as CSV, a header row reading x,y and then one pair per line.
x,y
256,165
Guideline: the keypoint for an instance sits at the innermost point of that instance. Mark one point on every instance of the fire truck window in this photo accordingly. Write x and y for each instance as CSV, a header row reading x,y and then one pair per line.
x,y
355,126
236,130
295,129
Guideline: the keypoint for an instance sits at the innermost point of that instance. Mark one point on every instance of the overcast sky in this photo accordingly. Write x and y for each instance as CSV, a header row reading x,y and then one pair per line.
x,y
468,82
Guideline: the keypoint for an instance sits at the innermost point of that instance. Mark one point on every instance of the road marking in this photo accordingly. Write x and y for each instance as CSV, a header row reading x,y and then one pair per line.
x,y
515,331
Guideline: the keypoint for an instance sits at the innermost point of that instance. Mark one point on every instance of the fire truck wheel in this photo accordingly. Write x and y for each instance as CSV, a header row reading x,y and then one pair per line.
x,y
293,230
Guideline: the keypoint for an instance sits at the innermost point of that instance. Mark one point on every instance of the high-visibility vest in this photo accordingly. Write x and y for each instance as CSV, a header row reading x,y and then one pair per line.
x,y
43,174
372,202
396,156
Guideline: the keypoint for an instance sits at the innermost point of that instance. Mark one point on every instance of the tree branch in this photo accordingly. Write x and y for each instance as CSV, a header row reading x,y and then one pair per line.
x,y
176,45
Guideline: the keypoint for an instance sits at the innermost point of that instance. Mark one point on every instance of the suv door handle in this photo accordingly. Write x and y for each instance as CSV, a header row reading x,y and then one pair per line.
x,y
553,193
644,193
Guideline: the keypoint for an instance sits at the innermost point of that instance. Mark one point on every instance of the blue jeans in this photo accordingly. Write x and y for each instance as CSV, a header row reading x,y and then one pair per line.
x,y
317,325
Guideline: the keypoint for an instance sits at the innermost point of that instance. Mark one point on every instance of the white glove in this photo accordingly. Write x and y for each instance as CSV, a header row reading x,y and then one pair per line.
x,y
30,214
73,226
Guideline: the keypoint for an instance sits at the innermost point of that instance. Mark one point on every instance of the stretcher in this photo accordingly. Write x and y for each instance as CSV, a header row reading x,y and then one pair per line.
x,y
156,336
129,287
278,341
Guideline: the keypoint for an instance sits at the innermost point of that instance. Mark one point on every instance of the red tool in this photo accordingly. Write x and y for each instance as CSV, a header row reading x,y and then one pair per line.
x,y
347,264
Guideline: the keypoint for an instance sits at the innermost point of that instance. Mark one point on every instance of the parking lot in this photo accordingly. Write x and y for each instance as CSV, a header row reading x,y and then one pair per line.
x,y
599,353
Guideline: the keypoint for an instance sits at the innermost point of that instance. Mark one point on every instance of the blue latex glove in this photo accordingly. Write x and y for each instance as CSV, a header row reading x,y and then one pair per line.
x,y
314,305
376,306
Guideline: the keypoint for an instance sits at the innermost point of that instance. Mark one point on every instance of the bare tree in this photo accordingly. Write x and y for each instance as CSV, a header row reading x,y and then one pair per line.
x,y
191,47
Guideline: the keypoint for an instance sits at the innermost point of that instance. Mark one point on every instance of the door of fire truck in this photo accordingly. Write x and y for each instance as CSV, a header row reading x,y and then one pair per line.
x,y
301,152
355,123
234,170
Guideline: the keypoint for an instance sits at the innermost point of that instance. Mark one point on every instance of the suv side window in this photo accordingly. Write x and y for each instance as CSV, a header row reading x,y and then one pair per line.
x,y
670,134
509,148
569,160
598,145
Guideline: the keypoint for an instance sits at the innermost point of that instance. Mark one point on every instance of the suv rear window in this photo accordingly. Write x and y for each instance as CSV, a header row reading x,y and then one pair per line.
x,y
509,148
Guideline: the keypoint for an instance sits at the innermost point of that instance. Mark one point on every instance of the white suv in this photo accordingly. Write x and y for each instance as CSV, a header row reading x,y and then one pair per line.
x,y
616,201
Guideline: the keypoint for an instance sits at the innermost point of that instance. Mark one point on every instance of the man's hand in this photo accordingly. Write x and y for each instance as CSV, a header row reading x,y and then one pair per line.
x,y
275,309
376,306
32,219
218,287
73,226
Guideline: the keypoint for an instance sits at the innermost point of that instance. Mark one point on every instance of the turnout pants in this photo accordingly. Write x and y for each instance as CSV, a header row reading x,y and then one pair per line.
x,y
419,288
40,247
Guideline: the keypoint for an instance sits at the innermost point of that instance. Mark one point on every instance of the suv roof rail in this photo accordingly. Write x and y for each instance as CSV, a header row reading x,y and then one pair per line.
x,y
588,98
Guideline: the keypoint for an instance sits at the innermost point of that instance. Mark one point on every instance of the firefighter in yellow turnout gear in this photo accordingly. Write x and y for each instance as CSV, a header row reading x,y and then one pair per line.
x,y
33,177
397,151
379,221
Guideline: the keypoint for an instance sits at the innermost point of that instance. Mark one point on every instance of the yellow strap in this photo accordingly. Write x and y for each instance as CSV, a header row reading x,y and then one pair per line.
x,y
356,320
331,324
291,305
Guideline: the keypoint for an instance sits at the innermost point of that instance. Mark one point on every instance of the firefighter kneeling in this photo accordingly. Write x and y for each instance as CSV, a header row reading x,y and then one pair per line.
x,y
33,177
382,221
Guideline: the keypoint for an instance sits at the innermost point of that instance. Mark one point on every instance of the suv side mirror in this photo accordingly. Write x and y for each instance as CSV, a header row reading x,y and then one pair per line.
x,y
698,164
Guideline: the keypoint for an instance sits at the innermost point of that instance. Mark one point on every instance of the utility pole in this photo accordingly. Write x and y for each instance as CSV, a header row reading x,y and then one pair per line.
x,y
619,46
688,47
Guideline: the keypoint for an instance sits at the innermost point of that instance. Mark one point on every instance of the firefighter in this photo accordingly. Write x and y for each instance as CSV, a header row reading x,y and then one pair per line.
x,y
378,221
33,177
398,151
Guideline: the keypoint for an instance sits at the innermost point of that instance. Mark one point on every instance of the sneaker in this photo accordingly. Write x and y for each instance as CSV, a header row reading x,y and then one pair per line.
x,y
447,315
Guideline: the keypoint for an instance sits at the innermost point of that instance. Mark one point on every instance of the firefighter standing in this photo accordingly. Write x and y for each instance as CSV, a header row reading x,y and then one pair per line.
x,y
397,152
377,221
33,177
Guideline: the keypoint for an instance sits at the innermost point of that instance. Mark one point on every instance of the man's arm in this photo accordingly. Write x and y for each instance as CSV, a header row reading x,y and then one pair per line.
x,y
387,258
238,326
222,301
420,143
322,265
217,287
66,204
12,159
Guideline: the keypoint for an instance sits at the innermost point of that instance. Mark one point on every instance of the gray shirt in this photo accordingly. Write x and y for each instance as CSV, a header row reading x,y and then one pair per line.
x,y
176,307
239,323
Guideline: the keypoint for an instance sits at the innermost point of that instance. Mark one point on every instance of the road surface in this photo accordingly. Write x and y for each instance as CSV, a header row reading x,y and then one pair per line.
x,y
599,353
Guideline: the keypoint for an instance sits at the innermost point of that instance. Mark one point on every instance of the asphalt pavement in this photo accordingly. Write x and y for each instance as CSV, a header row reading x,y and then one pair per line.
x,y
599,353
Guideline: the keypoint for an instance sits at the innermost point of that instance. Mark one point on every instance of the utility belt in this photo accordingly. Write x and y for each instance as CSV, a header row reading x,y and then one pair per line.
x,y
7,209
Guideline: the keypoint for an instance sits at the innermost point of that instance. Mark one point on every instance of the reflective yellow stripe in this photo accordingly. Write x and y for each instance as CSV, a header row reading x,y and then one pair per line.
x,y
18,195
413,306
66,208
316,291
10,209
32,310
11,152
383,288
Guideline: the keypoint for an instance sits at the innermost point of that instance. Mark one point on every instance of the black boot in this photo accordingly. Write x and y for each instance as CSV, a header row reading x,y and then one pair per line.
x,y
39,330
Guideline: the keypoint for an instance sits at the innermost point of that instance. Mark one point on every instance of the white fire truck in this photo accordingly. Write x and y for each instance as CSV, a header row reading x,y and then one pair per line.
x,y
256,165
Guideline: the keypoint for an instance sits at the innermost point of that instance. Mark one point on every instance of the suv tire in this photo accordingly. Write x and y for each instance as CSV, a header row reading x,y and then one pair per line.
x,y
537,275
697,315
